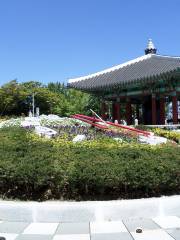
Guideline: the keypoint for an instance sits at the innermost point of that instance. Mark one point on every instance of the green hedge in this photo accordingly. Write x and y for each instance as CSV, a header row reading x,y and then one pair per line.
x,y
39,169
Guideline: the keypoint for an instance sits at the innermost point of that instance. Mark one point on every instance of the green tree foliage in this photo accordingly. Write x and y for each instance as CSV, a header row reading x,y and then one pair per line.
x,y
56,98
94,104
16,98
75,101
57,87
12,99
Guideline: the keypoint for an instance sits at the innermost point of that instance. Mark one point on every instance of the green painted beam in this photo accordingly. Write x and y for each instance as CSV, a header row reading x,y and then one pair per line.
x,y
142,92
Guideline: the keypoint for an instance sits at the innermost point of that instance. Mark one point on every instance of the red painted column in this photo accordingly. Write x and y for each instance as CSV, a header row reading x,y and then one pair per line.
x,y
103,110
153,109
162,110
175,108
128,112
116,111
113,111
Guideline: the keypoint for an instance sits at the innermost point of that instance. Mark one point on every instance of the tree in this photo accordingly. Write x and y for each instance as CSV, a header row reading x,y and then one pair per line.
x,y
56,98
74,100
93,103
57,87
16,98
48,101
12,98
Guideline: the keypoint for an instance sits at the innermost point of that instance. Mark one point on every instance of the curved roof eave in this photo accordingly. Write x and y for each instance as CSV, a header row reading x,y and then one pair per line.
x,y
117,67
110,69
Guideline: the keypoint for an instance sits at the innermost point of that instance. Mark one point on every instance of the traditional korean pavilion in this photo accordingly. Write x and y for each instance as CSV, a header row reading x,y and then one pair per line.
x,y
142,86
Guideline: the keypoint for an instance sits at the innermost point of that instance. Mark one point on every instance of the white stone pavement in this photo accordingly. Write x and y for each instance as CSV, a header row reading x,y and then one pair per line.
x,y
159,219
161,228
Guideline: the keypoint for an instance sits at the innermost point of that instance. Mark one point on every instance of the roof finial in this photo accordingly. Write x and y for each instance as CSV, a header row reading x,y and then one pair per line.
x,y
150,48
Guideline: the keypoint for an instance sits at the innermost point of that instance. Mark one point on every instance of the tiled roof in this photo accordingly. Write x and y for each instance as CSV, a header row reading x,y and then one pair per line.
x,y
139,69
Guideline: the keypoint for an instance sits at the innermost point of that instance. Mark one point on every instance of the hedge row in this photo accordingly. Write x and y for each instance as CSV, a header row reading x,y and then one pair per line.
x,y
32,168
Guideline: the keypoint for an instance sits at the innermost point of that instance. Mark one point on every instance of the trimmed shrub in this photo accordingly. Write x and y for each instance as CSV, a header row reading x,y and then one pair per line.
x,y
33,168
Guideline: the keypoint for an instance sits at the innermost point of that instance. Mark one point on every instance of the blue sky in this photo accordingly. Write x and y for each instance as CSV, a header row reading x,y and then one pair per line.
x,y
53,40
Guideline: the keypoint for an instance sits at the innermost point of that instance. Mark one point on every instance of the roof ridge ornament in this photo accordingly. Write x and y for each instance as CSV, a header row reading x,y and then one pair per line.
x,y
150,48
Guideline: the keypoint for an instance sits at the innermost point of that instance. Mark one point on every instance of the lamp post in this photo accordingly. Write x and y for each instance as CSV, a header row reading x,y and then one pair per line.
x,y
33,104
